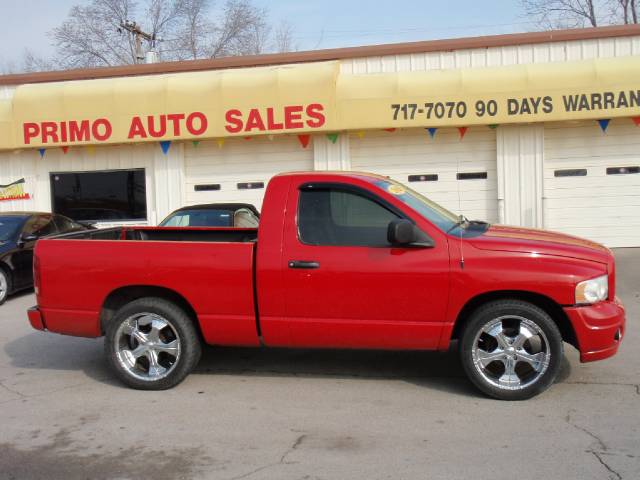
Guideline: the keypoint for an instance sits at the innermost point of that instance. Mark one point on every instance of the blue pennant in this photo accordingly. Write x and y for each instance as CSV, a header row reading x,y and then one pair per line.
x,y
432,132
41,152
604,124
165,145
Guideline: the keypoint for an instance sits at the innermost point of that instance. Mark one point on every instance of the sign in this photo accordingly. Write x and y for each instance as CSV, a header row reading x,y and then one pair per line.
x,y
13,191
317,97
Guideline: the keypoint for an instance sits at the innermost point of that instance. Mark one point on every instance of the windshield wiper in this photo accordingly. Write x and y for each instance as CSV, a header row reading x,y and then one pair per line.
x,y
461,221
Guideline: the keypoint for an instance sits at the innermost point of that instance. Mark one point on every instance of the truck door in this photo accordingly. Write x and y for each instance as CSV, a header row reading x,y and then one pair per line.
x,y
346,286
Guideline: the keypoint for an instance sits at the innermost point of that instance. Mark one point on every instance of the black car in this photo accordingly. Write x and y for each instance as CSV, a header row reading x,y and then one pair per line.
x,y
241,215
18,234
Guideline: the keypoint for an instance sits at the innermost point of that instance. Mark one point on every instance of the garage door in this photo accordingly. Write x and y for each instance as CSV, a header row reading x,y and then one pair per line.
x,y
241,169
592,181
459,174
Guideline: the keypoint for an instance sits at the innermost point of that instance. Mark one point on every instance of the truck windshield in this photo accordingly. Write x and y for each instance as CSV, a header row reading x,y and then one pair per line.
x,y
436,214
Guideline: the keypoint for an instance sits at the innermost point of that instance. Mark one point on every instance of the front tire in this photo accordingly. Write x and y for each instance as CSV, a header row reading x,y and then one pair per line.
x,y
511,349
152,344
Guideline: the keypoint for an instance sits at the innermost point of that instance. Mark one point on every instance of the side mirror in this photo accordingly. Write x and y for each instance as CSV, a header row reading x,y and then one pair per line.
x,y
26,238
402,232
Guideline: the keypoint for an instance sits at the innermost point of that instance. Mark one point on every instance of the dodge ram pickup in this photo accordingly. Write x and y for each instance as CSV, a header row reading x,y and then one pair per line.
x,y
339,260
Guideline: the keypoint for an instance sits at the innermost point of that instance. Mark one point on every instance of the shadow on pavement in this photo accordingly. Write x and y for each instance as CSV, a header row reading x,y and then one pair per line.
x,y
440,371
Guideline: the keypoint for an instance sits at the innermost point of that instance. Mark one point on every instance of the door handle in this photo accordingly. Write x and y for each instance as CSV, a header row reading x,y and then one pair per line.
x,y
303,264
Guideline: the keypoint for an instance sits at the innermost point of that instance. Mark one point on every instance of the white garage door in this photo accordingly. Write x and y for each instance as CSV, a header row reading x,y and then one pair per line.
x,y
592,181
241,169
459,174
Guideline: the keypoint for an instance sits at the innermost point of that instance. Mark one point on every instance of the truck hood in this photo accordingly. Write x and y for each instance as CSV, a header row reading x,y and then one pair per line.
x,y
531,240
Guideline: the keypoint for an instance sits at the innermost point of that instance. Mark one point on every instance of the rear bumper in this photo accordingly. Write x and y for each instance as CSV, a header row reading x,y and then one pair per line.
x,y
599,329
35,318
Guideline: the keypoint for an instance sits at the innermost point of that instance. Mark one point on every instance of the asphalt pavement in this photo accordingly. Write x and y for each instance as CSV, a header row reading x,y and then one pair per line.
x,y
304,414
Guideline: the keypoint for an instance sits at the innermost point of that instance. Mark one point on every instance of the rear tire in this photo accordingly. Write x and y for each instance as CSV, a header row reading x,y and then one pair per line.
x,y
5,285
511,349
152,344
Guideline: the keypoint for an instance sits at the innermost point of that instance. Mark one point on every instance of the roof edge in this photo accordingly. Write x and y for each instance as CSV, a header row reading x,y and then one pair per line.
x,y
512,39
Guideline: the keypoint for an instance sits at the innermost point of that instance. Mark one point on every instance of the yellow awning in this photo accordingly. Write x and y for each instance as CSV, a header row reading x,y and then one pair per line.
x,y
315,97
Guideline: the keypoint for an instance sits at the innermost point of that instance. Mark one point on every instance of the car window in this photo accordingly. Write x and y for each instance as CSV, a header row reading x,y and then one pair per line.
x,y
199,218
40,225
338,217
65,224
245,218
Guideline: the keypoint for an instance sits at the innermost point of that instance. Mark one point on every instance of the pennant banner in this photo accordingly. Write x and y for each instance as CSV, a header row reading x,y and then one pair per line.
x,y
91,150
65,149
390,130
636,120
220,142
304,140
195,143
462,131
333,137
41,152
165,146
604,124
360,134
432,132
493,126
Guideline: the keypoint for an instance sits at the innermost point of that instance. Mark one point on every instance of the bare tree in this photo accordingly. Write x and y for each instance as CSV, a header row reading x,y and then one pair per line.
x,y
580,13
180,29
625,10
562,13
283,38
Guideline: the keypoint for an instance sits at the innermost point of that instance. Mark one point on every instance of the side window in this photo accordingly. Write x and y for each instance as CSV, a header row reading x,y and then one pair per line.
x,y
65,224
40,225
342,218
244,218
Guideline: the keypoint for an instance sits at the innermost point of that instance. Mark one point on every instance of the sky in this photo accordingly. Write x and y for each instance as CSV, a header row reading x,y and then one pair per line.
x,y
316,24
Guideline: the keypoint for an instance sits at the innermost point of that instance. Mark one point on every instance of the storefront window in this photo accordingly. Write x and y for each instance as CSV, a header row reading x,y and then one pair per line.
x,y
113,195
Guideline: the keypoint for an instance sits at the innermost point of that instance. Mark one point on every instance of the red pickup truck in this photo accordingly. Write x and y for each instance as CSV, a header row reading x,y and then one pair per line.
x,y
340,260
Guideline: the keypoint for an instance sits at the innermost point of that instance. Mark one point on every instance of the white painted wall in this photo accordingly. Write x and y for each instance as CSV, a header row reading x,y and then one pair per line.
x,y
496,56
520,155
163,173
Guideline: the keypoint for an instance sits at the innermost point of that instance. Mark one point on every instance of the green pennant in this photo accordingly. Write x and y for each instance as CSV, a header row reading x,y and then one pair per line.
x,y
333,137
195,143
493,126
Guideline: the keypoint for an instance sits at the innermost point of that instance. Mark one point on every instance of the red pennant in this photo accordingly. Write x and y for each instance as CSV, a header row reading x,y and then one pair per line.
x,y
65,149
248,138
462,131
636,120
304,140
390,130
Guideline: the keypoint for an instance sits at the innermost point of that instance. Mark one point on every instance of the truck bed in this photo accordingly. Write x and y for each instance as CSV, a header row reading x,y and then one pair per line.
x,y
210,268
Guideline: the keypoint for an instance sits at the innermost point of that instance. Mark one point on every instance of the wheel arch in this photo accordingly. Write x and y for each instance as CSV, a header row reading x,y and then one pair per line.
x,y
123,295
550,306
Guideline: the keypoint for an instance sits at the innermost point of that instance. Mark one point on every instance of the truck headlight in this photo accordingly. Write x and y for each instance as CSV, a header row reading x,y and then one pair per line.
x,y
592,291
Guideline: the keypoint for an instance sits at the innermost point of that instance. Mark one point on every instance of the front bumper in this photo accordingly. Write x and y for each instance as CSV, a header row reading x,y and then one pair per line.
x,y
35,318
599,329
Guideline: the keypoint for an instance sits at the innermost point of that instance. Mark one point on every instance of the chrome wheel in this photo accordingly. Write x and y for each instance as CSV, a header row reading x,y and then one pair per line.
x,y
4,286
511,352
147,346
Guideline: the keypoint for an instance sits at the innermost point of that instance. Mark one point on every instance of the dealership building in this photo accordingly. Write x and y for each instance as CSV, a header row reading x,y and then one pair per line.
x,y
534,129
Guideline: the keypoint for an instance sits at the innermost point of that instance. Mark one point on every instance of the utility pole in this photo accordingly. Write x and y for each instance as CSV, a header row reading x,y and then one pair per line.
x,y
134,29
